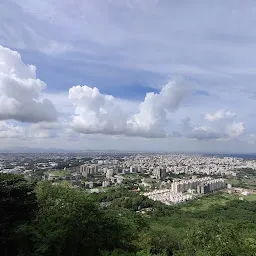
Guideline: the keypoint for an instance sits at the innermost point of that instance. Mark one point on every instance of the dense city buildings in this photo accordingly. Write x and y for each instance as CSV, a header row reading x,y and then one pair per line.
x,y
167,178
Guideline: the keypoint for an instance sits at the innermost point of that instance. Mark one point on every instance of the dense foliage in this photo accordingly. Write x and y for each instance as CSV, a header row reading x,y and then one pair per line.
x,y
52,220
17,206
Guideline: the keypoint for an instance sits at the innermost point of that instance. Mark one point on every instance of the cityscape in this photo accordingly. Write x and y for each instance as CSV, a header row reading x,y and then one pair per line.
x,y
168,178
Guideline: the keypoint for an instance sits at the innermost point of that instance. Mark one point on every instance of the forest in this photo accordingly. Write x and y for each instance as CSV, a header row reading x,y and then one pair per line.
x,y
40,219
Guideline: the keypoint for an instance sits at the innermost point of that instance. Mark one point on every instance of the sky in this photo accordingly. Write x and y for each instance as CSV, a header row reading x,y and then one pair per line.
x,y
141,75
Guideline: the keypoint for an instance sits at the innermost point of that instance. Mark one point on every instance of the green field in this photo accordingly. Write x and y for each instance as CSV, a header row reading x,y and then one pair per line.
x,y
243,183
234,182
197,210
220,199
250,198
60,173
246,178
130,176
205,202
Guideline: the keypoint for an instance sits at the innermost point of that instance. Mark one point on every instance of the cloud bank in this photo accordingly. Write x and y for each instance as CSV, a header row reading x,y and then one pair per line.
x,y
99,113
10,131
219,125
89,111
20,91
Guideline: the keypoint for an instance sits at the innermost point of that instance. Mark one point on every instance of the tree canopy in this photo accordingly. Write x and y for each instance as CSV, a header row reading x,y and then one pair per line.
x,y
44,219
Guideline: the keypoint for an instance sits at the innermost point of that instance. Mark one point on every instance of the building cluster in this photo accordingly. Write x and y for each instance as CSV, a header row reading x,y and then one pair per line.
x,y
167,196
157,165
199,185
22,163
159,173
177,177
186,164
184,190
87,170
104,176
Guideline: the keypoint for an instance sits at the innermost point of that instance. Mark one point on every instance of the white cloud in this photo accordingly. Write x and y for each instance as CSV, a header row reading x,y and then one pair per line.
x,y
205,133
61,102
8,130
236,129
60,129
127,43
95,112
99,113
26,32
33,131
152,117
221,125
220,115
20,91
42,130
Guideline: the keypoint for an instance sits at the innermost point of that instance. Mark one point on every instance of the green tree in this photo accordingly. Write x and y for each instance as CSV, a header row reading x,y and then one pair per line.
x,y
17,206
70,223
214,239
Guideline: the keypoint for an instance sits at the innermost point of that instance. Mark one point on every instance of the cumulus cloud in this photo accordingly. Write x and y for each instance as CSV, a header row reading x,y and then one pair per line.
x,y
58,129
33,131
220,115
99,113
96,112
205,133
235,129
40,130
219,125
8,130
151,119
20,91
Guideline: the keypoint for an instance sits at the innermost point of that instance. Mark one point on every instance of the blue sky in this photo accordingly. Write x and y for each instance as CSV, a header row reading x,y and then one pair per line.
x,y
127,49
59,74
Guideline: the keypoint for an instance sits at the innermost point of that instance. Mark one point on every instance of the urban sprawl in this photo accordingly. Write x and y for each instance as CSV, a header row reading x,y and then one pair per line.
x,y
166,178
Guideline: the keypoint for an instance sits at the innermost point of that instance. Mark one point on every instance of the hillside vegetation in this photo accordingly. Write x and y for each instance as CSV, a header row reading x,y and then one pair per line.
x,y
46,220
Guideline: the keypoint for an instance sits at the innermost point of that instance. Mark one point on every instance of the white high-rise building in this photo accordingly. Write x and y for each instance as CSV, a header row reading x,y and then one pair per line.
x,y
109,173
160,173
87,170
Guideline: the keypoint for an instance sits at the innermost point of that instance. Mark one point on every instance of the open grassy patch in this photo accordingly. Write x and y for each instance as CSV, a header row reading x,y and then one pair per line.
x,y
205,202
251,198
60,173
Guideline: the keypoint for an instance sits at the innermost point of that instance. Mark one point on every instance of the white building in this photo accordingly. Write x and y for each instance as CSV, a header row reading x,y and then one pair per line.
x,y
109,173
